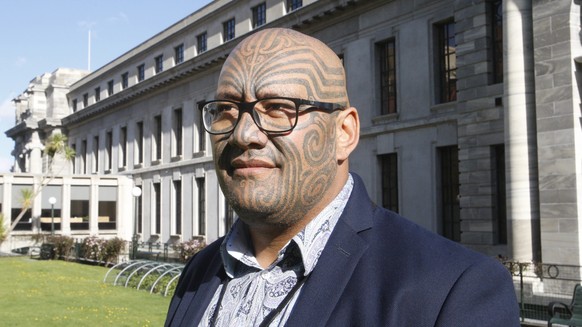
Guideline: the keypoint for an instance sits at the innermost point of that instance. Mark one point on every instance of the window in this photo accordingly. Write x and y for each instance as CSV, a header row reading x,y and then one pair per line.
x,y
109,149
158,209
140,72
85,100
83,157
446,62
124,80
449,192
107,207
123,146
294,5
228,30
75,105
74,161
201,206
80,195
139,214
159,67
259,15
96,154
387,68
139,142
201,42
496,17
177,207
157,155
499,195
97,94
50,215
110,88
389,171
201,131
25,222
179,54
177,131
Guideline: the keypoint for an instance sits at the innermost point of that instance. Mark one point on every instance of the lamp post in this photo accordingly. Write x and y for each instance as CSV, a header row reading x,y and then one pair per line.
x,y
136,192
52,200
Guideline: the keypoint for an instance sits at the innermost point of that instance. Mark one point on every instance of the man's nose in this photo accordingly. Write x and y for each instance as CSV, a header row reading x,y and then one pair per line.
x,y
247,134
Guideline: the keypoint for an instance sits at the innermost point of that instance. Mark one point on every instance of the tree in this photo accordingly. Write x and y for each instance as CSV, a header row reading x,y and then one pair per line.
x,y
55,145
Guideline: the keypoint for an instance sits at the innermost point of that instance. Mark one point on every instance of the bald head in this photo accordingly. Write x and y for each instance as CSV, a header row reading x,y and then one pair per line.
x,y
273,61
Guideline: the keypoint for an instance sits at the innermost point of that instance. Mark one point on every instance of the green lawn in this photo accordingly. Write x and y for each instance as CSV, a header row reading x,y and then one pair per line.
x,y
58,293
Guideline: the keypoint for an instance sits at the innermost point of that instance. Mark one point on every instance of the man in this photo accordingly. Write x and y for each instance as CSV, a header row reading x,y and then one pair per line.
x,y
310,248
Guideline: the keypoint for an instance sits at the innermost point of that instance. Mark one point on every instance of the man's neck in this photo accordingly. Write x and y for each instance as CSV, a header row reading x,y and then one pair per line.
x,y
267,242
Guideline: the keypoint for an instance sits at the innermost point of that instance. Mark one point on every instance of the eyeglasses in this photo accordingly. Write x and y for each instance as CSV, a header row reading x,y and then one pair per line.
x,y
272,115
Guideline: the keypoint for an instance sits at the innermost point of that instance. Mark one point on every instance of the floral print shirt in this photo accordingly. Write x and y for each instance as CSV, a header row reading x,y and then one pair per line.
x,y
253,292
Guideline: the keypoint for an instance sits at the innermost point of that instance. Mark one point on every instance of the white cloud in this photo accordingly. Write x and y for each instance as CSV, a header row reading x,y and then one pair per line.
x,y
20,61
120,17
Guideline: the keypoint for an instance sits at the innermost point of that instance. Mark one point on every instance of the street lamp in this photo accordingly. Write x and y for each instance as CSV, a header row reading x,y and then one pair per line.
x,y
136,192
52,200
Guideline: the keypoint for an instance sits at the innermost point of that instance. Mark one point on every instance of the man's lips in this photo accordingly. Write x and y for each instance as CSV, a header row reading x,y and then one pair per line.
x,y
251,166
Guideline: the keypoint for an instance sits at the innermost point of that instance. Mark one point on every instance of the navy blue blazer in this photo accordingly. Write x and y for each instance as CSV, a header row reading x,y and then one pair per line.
x,y
377,269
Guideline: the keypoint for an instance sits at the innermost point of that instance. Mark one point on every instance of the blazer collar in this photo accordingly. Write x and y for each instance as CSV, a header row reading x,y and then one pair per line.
x,y
337,262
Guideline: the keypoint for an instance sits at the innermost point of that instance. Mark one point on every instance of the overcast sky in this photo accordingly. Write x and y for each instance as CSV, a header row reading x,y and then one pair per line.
x,y
39,36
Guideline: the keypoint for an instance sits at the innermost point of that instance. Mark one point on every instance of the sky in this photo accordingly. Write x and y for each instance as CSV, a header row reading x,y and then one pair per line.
x,y
39,36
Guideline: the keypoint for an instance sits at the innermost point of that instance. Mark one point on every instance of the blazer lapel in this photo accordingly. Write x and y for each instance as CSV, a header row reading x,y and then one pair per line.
x,y
337,262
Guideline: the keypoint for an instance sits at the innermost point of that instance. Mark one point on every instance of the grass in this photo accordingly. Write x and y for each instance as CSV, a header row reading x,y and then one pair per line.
x,y
59,293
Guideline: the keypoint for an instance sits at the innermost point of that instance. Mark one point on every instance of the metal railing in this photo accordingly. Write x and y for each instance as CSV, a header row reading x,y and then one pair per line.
x,y
537,284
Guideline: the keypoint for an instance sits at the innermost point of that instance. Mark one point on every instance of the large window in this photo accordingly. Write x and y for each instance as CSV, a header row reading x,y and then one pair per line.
x,y
179,54
50,215
446,56
157,228
25,223
80,207
201,206
123,146
449,192
389,171
228,29
107,207
496,18
201,131
387,69
96,154
83,157
157,155
177,207
159,64
259,15
499,194
85,100
97,94
201,42
109,149
177,130
294,5
139,142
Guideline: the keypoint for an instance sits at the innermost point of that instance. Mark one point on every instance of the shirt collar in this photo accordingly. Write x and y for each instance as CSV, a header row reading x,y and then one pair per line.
x,y
237,248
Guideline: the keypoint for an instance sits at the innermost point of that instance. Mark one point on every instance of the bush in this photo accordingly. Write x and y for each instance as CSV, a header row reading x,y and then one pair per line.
x,y
101,250
63,245
2,229
189,248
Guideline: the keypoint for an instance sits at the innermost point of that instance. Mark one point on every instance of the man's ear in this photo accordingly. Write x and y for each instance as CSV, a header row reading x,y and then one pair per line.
x,y
348,132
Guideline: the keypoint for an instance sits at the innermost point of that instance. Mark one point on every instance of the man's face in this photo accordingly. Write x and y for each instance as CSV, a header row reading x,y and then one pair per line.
x,y
274,179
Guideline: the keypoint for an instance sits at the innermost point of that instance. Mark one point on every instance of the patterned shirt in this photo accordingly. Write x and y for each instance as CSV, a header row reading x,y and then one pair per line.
x,y
253,292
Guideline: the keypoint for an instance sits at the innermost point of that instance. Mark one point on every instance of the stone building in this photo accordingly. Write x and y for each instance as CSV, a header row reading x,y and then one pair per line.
x,y
470,116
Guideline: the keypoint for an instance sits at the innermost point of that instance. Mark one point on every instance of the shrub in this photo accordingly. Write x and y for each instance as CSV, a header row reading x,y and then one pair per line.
x,y
63,245
112,249
101,250
189,248
2,229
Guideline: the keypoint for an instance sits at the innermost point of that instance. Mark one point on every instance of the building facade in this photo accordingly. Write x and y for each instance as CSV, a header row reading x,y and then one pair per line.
x,y
470,116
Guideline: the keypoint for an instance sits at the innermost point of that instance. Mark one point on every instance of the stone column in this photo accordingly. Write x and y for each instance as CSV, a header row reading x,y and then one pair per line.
x,y
520,132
